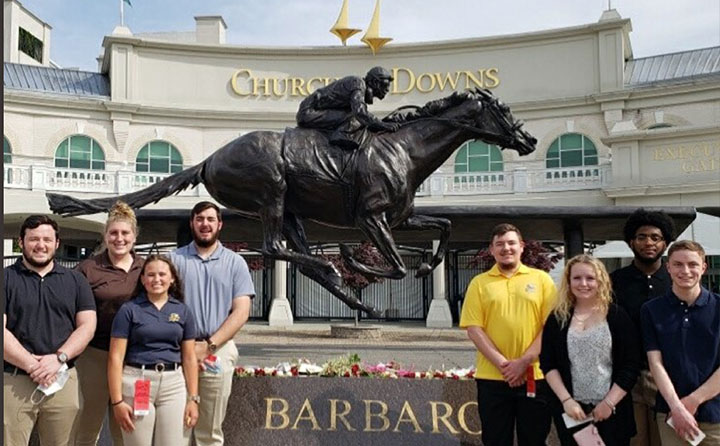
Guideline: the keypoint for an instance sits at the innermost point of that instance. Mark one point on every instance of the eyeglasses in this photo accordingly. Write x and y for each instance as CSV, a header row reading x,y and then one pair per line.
x,y
652,237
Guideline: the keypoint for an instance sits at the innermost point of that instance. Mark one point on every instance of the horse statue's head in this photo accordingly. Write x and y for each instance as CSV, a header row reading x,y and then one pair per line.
x,y
491,120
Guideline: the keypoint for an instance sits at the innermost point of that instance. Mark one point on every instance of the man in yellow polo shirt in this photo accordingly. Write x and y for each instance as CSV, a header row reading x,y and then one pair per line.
x,y
504,312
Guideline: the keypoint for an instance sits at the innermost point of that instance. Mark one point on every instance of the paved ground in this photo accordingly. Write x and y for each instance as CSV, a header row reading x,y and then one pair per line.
x,y
410,344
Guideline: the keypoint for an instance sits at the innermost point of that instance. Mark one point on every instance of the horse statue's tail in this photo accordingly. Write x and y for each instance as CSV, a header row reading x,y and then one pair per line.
x,y
68,206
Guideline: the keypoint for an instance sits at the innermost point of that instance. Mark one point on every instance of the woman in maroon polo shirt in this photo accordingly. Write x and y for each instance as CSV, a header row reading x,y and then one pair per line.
x,y
113,275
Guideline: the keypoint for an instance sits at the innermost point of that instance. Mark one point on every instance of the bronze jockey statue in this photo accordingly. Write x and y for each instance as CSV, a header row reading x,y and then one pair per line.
x,y
339,110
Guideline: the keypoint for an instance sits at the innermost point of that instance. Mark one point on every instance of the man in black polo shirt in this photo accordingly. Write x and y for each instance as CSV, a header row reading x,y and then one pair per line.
x,y
647,234
49,319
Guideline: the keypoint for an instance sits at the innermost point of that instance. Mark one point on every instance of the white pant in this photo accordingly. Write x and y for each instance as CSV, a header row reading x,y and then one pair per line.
x,y
214,390
168,397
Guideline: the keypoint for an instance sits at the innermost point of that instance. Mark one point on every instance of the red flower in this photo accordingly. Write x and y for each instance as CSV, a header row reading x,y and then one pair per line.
x,y
294,371
355,369
259,372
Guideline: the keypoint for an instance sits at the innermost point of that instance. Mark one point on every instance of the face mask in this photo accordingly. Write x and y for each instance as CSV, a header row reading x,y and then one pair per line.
x,y
61,378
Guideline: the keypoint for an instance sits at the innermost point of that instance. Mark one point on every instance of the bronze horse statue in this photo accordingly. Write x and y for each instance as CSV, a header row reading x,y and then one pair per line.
x,y
283,178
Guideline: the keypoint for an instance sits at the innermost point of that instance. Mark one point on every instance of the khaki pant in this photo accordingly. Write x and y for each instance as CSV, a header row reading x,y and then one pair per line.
x,y
54,414
214,392
643,396
92,377
164,425
668,437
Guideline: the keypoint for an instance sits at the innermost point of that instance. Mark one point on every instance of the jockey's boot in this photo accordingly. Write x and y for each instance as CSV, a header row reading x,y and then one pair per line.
x,y
340,139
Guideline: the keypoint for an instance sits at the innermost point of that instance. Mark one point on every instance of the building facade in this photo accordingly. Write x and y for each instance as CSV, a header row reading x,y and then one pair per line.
x,y
612,130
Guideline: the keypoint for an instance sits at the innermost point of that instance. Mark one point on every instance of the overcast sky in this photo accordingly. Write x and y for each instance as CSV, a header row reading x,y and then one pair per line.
x,y
659,26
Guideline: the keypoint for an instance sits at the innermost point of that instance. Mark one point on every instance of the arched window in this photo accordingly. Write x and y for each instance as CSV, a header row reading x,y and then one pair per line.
x,y
159,157
477,156
80,152
7,151
571,150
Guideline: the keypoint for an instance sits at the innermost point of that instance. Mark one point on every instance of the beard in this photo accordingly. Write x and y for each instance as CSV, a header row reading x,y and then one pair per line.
x,y
37,264
646,260
205,243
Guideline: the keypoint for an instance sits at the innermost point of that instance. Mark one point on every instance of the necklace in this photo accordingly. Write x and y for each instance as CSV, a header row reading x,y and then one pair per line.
x,y
581,320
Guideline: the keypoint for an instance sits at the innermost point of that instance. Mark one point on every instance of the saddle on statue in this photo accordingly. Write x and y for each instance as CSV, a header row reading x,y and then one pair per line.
x,y
328,162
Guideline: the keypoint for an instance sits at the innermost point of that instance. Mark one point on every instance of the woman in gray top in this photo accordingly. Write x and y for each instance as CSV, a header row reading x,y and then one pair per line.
x,y
587,361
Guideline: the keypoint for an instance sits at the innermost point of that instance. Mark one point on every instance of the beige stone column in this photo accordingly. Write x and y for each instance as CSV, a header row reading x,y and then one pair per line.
x,y
439,314
280,309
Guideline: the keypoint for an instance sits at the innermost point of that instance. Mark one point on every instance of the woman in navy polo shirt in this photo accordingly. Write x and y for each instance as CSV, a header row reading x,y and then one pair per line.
x,y
154,336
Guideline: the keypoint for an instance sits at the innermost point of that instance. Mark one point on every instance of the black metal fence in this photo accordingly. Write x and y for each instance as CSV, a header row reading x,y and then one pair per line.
x,y
406,299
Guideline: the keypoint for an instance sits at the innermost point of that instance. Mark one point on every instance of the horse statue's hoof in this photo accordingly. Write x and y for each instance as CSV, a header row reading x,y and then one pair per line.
x,y
377,314
423,270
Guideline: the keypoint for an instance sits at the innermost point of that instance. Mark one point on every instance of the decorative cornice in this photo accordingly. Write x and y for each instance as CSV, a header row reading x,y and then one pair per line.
x,y
661,189
361,51
661,133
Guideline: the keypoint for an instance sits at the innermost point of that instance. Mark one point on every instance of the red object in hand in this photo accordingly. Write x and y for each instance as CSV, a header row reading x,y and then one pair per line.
x,y
530,382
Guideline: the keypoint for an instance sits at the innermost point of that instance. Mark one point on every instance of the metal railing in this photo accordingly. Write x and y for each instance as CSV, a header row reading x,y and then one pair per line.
x,y
39,174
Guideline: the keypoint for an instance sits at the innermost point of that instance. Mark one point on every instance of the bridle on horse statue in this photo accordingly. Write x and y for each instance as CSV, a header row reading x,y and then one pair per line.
x,y
494,107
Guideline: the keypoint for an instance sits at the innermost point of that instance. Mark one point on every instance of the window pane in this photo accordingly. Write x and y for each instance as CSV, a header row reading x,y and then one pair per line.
x,y
479,164
461,168
98,165
175,156
589,146
461,156
159,165
590,160
175,168
80,144
495,154
571,141
496,167
142,167
79,155
142,156
97,153
62,150
79,163
552,163
571,158
478,148
159,149
553,150
61,162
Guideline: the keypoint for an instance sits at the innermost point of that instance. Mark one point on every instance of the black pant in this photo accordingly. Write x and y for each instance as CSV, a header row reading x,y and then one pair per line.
x,y
612,433
504,410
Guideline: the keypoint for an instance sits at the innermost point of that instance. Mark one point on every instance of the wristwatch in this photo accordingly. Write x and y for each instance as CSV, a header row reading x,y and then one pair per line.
x,y
195,398
62,357
211,346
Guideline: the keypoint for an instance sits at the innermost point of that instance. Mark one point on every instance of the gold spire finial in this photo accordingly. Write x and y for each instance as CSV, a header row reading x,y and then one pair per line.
x,y
341,28
372,36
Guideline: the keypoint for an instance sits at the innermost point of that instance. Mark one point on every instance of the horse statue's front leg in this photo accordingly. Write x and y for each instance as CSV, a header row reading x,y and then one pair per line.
x,y
378,231
327,275
424,222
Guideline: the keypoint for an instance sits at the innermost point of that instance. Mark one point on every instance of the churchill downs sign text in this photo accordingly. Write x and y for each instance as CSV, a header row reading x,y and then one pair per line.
x,y
246,84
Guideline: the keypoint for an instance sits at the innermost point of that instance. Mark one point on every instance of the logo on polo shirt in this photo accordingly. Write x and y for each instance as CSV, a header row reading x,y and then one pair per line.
x,y
530,288
174,317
